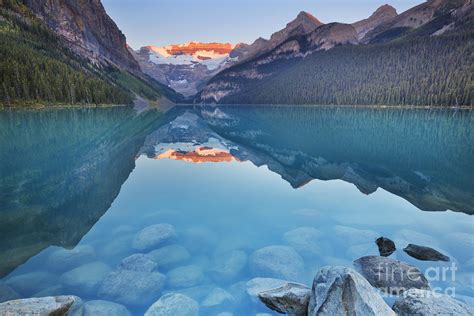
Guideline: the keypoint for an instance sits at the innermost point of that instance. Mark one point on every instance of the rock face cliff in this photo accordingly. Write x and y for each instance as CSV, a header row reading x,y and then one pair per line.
x,y
87,29
381,16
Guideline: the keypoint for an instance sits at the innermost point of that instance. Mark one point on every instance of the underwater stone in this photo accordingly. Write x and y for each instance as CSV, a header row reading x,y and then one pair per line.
x,y
277,262
85,278
106,308
7,293
173,305
169,256
154,236
218,300
138,262
132,287
424,253
185,276
64,259
305,240
227,266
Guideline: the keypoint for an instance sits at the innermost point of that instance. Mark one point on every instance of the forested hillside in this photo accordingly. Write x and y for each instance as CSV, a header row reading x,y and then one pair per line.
x,y
416,71
37,68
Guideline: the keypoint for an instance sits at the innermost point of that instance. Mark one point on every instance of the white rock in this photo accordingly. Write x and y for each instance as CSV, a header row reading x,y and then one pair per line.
x,y
342,291
258,285
44,306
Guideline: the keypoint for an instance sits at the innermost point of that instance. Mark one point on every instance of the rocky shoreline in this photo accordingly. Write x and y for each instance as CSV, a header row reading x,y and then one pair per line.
x,y
159,277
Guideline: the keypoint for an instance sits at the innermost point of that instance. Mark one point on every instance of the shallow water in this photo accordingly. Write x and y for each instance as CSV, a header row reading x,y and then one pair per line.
x,y
230,180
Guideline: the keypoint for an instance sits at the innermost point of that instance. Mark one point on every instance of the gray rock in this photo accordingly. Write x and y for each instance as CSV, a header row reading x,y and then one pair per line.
x,y
305,240
354,236
386,246
218,300
291,299
424,253
105,308
29,283
44,306
258,285
138,262
154,236
389,275
428,303
169,256
64,259
227,266
173,305
343,291
277,262
7,293
132,287
185,276
86,278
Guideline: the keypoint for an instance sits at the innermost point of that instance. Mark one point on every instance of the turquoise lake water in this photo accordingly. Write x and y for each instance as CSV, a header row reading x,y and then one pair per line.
x,y
312,186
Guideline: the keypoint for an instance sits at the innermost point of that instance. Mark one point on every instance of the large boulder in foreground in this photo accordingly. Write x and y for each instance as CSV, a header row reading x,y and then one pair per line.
x,y
425,253
291,299
427,303
343,291
277,262
174,304
44,306
154,236
389,275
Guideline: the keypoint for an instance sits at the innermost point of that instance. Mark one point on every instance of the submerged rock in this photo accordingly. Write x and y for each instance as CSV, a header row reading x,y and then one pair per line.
x,y
154,236
292,299
138,262
106,308
428,303
425,253
227,266
55,290
305,240
172,305
132,287
218,300
169,256
389,275
44,306
277,262
7,293
29,283
64,259
186,276
354,236
342,291
85,278
386,246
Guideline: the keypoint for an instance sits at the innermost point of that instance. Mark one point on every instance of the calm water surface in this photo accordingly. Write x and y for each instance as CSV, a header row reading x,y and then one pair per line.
x,y
77,186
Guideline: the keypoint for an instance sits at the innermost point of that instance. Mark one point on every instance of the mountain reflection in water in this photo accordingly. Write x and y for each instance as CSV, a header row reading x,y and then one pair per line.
x,y
62,169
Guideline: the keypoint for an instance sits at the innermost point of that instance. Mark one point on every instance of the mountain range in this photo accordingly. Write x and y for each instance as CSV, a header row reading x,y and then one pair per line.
x,y
72,52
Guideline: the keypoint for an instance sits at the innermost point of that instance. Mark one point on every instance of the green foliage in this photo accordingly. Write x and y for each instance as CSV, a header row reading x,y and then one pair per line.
x,y
35,68
429,70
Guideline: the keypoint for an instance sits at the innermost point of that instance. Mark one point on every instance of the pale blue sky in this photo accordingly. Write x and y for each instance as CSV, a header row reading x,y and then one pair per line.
x,y
163,22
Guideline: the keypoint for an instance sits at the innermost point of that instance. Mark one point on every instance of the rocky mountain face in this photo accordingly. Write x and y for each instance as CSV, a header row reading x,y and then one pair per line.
x,y
265,59
185,67
303,24
381,16
87,29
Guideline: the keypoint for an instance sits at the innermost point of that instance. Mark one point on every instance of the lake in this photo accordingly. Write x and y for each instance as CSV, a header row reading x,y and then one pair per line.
x,y
219,196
